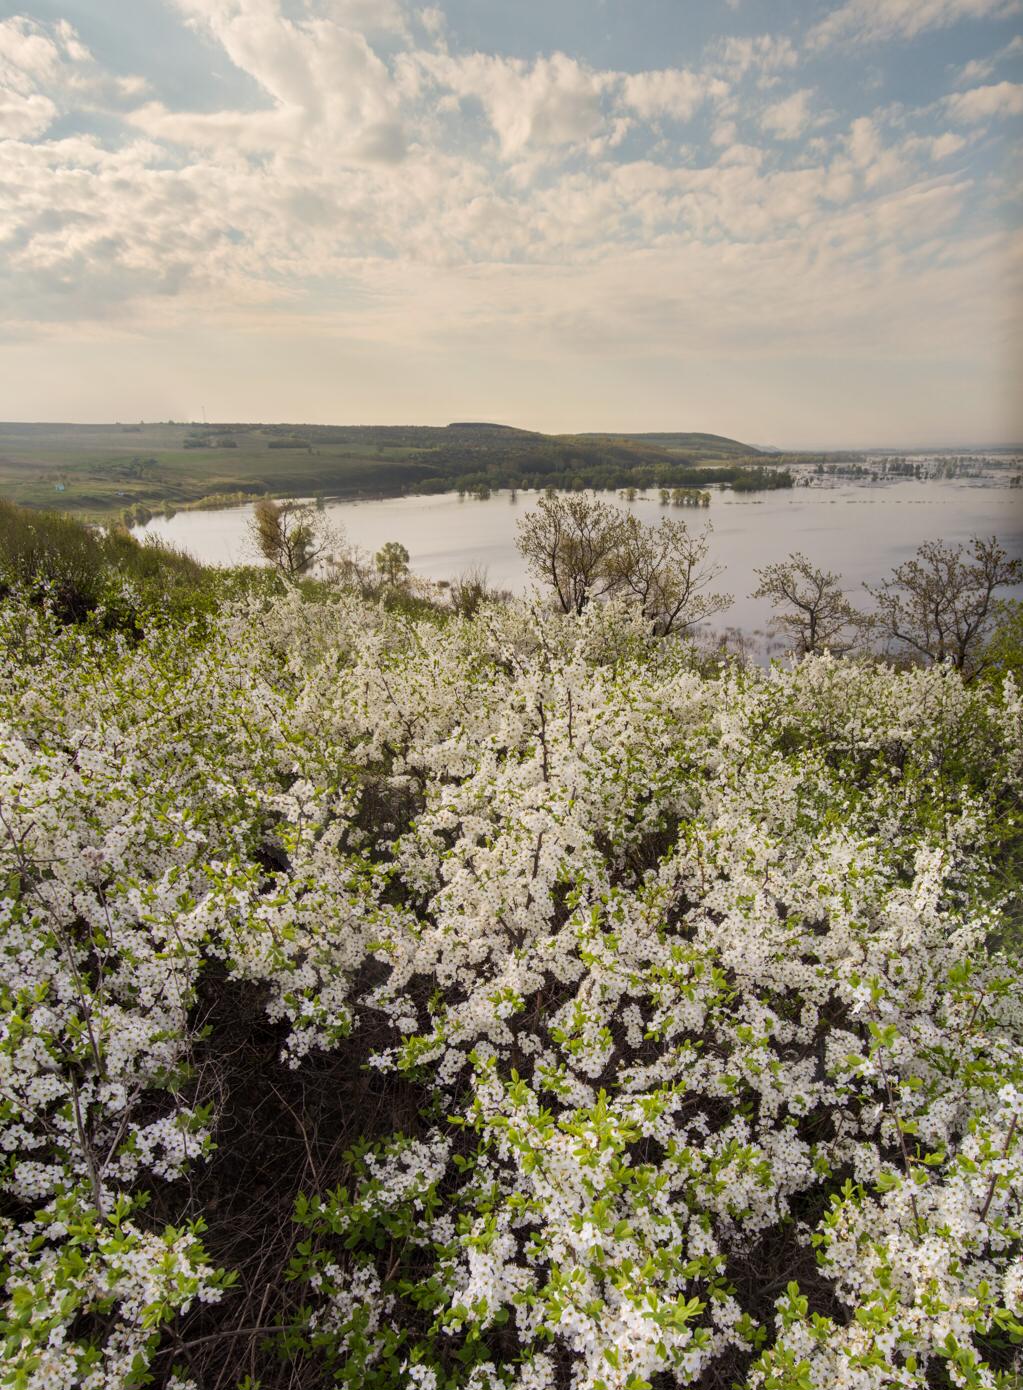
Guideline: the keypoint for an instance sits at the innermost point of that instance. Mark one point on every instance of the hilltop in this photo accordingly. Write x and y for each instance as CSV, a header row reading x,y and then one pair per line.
x,y
702,446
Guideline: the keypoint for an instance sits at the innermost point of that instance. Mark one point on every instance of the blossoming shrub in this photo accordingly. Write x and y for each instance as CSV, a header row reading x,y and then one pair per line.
x,y
693,1033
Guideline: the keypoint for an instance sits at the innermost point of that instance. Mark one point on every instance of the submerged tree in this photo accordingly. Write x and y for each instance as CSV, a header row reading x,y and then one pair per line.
x,y
290,535
939,605
814,613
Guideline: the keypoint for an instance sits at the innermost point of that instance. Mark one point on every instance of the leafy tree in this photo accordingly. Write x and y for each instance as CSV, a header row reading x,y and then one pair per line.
x,y
391,561
939,605
815,614
290,535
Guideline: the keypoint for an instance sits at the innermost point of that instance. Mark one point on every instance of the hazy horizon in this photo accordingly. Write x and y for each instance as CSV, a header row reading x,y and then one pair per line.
x,y
796,225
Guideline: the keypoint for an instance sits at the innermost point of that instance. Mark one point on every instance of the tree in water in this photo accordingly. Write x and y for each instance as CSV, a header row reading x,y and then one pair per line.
x,y
814,613
939,606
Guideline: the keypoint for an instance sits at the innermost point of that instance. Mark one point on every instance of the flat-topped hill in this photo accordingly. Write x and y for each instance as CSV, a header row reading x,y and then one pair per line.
x,y
716,445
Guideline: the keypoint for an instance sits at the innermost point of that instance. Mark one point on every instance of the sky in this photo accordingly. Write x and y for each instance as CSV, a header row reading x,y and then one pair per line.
x,y
795,222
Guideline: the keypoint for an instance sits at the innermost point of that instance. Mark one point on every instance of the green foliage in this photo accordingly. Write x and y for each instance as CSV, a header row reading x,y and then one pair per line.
x,y
84,572
391,561
1003,652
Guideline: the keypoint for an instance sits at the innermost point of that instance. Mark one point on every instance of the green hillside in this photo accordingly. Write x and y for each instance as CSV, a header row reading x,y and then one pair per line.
x,y
93,470
701,446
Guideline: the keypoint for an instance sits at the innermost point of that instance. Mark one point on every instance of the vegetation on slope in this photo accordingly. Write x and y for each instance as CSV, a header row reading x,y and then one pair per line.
x,y
79,571
503,1002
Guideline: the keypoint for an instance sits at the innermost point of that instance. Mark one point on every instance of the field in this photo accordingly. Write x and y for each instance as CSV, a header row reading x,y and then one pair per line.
x,y
96,470
99,469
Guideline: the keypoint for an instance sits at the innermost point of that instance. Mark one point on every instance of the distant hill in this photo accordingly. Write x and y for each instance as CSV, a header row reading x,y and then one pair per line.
x,y
98,469
703,445
484,427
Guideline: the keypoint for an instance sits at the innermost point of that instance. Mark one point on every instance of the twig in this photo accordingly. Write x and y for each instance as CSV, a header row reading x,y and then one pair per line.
x,y
994,1176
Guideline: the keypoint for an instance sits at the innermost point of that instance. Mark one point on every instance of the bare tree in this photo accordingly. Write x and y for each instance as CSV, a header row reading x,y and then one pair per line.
x,y
290,535
586,549
815,612
939,605
570,543
665,569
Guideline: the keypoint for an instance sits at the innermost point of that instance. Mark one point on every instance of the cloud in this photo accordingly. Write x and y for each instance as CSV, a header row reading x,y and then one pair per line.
x,y
673,92
46,69
943,146
769,53
551,102
22,117
979,68
984,103
325,85
557,101
872,21
788,118
370,16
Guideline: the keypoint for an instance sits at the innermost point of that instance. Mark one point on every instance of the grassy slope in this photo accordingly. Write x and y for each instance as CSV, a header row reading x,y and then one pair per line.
x,y
95,469
701,447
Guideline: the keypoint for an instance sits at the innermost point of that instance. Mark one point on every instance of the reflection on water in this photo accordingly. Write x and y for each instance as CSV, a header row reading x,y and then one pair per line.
x,y
860,531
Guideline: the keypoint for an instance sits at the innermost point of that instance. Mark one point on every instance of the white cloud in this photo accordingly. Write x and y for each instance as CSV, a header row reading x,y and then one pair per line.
x,y
869,21
46,69
327,87
864,162
943,146
23,117
673,92
978,68
983,103
432,19
768,53
788,118
554,101
367,16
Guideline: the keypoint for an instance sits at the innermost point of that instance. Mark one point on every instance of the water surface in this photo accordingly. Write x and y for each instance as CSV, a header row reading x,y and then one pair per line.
x,y
859,530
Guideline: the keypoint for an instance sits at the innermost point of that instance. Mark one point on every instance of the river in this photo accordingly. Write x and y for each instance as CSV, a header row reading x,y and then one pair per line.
x,y
859,530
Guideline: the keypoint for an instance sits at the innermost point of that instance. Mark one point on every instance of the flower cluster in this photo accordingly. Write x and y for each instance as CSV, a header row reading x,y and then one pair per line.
x,y
695,975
